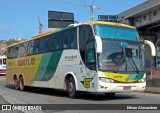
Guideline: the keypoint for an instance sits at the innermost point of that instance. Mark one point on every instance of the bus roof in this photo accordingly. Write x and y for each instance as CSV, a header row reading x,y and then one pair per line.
x,y
109,23
54,30
36,36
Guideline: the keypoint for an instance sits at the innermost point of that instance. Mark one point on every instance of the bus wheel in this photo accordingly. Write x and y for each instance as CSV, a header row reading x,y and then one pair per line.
x,y
21,83
16,83
71,88
109,95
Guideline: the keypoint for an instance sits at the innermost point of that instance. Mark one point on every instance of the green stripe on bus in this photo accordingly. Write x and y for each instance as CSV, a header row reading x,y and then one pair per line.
x,y
43,66
132,76
139,76
50,66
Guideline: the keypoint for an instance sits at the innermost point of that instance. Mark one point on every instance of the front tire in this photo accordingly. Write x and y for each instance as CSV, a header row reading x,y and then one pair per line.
x,y
71,88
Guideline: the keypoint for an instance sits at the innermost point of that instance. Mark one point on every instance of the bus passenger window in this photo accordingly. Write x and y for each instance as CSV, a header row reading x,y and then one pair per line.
x,y
15,52
4,61
21,51
29,47
44,44
65,42
36,46
0,61
70,41
55,44
9,55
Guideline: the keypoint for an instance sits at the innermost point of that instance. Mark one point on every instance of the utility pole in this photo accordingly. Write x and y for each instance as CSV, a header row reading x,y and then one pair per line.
x,y
92,7
40,25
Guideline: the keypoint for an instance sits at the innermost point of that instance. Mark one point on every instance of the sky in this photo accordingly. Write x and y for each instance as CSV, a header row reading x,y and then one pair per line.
x,y
18,18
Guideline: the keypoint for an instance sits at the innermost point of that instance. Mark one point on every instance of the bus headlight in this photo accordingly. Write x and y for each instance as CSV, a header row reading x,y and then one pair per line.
x,y
107,80
142,80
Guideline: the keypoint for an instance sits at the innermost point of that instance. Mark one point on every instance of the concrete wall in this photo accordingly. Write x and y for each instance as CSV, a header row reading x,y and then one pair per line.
x,y
141,15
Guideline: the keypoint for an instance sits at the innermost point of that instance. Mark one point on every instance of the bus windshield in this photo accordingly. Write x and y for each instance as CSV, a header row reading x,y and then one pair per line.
x,y
121,56
116,32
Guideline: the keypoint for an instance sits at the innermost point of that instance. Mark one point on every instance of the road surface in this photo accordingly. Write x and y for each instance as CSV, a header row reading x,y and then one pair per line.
x,y
50,96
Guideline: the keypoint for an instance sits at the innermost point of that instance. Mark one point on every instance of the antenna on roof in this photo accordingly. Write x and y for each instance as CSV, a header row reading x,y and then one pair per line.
x,y
40,25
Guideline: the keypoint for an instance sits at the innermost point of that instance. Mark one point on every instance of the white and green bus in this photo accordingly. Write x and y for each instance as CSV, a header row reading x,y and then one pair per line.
x,y
93,56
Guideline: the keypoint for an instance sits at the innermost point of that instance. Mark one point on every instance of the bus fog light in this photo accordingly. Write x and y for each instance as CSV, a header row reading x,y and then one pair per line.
x,y
104,79
142,80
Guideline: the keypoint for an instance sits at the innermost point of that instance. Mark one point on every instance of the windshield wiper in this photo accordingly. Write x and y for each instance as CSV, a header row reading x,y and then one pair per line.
x,y
137,70
121,61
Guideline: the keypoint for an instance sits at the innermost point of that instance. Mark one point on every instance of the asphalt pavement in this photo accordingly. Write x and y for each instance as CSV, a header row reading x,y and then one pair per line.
x,y
155,90
6,98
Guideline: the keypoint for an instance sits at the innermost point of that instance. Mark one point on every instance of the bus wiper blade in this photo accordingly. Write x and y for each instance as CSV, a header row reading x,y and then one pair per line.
x,y
137,70
121,61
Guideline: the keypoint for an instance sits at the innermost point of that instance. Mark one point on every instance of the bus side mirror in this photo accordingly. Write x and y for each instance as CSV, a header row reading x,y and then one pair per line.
x,y
153,49
99,44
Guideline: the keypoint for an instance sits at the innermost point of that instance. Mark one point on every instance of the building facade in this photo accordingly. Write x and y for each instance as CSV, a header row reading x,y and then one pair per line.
x,y
146,18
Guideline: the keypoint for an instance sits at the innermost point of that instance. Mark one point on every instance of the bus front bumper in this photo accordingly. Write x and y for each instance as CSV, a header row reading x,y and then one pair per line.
x,y
2,72
121,87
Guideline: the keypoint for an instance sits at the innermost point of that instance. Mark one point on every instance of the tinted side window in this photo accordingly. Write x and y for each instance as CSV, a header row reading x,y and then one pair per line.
x,y
29,47
9,52
21,50
44,44
12,52
56,43
85,34
15,52
65,40
70,38
35,46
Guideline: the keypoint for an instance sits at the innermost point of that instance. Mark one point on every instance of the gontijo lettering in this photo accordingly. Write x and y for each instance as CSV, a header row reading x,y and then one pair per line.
x,y
26,62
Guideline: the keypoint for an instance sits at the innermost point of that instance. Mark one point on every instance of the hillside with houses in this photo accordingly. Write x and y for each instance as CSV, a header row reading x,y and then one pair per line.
x,y
5,43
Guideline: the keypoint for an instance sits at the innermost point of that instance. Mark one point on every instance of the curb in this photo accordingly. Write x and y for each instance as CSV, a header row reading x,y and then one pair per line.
x,y
155,90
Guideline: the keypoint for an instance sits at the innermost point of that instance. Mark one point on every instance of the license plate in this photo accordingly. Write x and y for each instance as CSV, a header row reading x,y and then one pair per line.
x,y
126,87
